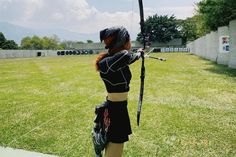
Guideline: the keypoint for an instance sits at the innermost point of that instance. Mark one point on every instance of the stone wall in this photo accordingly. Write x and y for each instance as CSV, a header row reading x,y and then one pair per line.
x,y
26,53
216,47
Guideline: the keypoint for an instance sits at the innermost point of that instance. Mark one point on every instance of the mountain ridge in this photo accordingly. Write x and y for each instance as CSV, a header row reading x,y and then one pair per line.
x,y
16,33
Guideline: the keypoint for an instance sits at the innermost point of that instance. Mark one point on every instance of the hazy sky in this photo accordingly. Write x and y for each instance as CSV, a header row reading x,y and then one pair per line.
x,y
88,16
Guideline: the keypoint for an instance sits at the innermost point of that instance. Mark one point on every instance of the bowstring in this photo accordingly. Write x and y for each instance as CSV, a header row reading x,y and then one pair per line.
x,y
132,16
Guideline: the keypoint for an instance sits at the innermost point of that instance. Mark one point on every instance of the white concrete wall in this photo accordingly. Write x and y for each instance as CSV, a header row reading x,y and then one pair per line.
x,y
194,48
190,46
51,53
208,46
232,32
2,55
214,46
202,46
223,58
26,53
198,45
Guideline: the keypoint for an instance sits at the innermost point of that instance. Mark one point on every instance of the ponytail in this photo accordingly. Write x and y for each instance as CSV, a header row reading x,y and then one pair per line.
x,y
99,58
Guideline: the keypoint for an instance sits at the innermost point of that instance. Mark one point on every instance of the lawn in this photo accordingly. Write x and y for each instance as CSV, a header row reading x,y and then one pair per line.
x,y
189,107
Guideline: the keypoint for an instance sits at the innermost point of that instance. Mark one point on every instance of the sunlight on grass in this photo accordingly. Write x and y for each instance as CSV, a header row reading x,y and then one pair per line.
x,y
189,108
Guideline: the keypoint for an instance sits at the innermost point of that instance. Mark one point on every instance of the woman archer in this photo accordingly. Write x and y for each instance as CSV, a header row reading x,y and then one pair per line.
x,y
113,67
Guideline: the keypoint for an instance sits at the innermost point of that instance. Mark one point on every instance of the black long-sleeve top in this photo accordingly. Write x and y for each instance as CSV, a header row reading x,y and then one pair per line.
x,y
115,72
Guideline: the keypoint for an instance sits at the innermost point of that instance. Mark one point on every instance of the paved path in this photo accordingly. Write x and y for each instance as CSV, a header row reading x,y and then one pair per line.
x,y
9,152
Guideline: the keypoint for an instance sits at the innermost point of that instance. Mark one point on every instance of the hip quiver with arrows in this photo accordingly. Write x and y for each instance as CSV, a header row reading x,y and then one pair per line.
x,y
99,132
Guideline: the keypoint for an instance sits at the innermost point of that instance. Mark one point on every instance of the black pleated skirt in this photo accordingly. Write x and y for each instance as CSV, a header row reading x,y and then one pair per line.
x,y
120,128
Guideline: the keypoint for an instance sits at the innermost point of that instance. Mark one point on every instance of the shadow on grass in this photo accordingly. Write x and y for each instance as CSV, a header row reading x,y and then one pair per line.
x,y
221,69
218,68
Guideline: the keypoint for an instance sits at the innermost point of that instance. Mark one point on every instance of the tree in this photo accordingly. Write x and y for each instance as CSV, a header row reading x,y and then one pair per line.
x,y
89,41
32,43
216,13
160,28
201,28
68,44
26,43
9,44
192,28
49,43
2,39
36,43
80,42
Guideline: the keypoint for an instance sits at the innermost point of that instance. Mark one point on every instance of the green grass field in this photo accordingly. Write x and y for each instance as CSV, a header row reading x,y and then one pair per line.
x,y
189,108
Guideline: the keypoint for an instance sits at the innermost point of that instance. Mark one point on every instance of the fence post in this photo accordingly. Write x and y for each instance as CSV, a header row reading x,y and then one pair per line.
x,y
202,47
197,45
214,46
208,46
232,44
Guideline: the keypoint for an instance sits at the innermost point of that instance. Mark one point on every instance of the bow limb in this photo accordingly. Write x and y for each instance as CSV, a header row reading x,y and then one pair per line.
x,y
142,22
142,77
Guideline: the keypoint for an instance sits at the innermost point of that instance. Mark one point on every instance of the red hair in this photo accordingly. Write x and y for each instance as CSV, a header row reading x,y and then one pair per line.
x,y
99,57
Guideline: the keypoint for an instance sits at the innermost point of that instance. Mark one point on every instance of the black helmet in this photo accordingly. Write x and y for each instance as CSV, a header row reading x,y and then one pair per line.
x,y
120,36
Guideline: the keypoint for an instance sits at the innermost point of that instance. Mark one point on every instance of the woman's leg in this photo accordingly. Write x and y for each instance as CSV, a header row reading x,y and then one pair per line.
x,y
114,149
